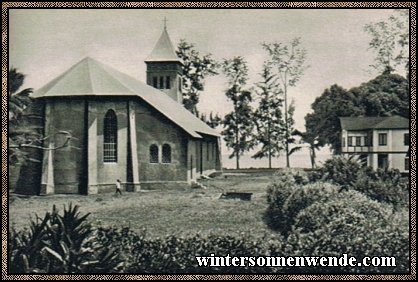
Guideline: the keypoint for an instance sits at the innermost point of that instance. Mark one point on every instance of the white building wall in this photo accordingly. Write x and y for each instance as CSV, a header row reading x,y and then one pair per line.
x,y
395,147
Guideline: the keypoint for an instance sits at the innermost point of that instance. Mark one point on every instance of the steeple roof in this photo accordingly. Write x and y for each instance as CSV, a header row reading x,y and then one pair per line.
x,y
164,50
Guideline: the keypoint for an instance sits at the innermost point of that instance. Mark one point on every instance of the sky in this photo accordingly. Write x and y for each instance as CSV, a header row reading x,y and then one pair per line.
x,y
43,43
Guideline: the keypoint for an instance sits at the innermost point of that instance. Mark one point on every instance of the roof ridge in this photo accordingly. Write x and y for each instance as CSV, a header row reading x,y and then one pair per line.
x,y
121,82
88,73
54,82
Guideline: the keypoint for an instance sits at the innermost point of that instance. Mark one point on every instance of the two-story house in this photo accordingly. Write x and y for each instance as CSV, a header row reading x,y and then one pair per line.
x,y
380,142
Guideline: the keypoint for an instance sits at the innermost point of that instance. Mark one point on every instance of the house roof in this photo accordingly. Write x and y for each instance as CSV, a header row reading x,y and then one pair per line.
x,y
92,78
164,50
364,123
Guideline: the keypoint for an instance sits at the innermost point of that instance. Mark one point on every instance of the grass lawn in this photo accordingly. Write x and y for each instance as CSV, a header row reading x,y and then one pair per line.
x,y
163,213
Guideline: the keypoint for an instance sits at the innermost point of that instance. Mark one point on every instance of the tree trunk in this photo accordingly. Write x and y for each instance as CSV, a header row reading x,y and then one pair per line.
x,y
286,124
269,142
237,145
313,157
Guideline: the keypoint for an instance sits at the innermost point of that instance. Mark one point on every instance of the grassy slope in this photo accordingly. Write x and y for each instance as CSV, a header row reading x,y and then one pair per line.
x,y
165,212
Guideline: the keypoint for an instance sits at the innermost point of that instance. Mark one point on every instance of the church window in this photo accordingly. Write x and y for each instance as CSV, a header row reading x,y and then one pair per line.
x,y
166,154
155,82
179,83
153,154
167,82
161,82
110,137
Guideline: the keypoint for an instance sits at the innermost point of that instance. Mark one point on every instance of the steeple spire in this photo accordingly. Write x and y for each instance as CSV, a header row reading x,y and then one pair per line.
x,y
164,67
164,50
165,23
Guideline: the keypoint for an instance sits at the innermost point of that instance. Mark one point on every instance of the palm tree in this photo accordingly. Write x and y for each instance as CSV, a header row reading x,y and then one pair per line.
x,y
24,132
18,101
313,144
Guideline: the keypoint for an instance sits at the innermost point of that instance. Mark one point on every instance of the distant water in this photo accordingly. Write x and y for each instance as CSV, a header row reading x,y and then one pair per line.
x,y
296,161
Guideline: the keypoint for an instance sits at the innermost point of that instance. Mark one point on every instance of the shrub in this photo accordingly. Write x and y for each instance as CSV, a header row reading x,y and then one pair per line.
x,y
384,186
59,244
351,223
303,197
174,254
69,244
283,185
341,170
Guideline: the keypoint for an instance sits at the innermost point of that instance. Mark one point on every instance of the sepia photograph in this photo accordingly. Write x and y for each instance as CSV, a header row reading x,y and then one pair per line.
x,y
167,141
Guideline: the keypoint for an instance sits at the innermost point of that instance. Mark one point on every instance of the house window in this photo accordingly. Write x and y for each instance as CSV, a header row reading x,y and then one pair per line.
x,y
358,140
406,163
350,141
366,141
382,161
166,154
406,139
383,139
167,82
155,82
110,137
153,154
161,82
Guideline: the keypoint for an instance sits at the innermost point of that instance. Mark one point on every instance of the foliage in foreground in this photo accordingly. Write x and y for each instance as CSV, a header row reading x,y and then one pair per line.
x,y
330,218
69,244
312,219
60,244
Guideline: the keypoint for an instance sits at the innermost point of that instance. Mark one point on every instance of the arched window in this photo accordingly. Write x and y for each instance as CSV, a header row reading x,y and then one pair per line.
x,y
153,154
166,154
110,137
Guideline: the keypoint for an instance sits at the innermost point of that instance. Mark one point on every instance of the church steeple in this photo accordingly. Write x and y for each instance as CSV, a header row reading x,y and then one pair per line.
x,y
164,68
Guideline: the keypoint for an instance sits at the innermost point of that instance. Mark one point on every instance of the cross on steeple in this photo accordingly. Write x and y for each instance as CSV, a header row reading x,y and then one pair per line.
x,y
165,23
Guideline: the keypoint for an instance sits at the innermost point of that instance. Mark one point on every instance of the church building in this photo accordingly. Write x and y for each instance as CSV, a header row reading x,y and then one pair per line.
x,y
122,128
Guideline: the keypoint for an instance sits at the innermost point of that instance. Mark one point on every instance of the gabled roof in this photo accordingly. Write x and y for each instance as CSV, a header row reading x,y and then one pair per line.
x,y
364,123
164,50
92,78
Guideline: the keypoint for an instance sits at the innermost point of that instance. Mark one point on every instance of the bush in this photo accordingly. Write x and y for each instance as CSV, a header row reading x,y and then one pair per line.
x,y
382,185
351,223
174,254
283,185
356,211
69,244
59,244
341,170
303,197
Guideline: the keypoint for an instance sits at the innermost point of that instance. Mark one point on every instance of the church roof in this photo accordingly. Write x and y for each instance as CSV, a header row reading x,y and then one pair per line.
x,y
92,78
164,50
364,123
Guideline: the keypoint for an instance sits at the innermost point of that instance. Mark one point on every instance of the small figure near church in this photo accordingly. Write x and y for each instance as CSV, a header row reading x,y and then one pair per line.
x,y
126,129
118,187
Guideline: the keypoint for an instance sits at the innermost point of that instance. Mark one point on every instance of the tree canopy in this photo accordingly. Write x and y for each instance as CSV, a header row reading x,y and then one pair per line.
x,y
195,69
385,95
238,124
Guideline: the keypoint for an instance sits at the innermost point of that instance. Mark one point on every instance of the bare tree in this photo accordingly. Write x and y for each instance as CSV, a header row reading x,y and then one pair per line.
x,y
289,60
